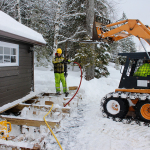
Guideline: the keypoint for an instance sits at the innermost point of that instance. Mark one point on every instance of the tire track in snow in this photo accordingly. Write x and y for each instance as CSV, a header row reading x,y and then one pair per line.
x,y
67,133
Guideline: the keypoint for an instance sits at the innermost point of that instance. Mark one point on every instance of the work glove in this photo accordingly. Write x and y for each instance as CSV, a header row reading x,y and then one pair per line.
x,y
68,61
62,62
65,74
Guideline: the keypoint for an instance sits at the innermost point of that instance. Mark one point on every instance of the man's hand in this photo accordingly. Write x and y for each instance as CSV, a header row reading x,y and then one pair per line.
x,y
68,61
62,62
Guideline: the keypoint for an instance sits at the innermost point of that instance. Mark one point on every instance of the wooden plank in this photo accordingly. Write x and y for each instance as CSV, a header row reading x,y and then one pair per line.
x,y
45,108
25,54
13,106
25,71
25,60
17,95
49,102
7,83
9,68
14,146
14,88
71,103
9,73
25,67
27,63
31,101
73,88
48,94
24,50
23,46
65,110
29,122
19,107
66,98
20,76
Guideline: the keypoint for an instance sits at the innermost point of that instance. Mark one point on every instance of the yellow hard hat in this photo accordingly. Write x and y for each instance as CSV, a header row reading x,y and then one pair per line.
x,y
59,51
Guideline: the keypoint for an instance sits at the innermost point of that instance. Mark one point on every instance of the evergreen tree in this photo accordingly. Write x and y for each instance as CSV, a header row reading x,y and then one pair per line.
x,y
82,55
42,20
101,55
102,59
69,24
97,67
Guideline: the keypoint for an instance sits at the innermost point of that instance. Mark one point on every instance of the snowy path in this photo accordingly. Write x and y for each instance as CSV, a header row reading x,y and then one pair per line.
x,y
86,129
89,131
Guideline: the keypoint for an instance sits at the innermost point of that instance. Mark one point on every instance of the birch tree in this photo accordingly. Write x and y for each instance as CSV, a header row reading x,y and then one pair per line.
x,y
18,7
58,4
70,24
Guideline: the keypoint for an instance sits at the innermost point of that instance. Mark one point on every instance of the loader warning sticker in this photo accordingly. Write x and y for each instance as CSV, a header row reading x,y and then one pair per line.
x,y
142,83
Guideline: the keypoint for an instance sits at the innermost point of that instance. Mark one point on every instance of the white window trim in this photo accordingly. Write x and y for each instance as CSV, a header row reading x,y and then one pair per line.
x,y
10,45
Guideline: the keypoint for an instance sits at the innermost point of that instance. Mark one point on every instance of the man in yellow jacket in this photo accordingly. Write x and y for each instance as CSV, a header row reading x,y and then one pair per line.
x,y
143,70
58,62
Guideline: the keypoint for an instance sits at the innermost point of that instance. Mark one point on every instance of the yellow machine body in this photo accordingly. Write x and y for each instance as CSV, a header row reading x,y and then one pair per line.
x,y
4,125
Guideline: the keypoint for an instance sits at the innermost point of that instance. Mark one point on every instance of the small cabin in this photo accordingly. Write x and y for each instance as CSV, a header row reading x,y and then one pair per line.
x,y
16,59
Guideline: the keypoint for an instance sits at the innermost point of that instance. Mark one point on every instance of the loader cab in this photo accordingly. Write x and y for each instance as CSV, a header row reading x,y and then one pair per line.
x,y
136,73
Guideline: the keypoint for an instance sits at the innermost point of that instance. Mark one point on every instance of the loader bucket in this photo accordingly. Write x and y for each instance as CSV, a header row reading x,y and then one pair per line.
x,y
98,22
95,35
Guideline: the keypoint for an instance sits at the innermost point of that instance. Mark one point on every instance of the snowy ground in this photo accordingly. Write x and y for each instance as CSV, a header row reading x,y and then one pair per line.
x,y
86,129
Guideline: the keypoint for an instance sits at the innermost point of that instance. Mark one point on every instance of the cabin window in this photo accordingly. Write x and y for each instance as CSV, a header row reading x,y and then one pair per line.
x,y
9,54
138,68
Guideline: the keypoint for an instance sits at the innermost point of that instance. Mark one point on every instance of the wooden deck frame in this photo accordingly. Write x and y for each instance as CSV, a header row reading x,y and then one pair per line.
x,y
19,107
17,104
29,122
35,147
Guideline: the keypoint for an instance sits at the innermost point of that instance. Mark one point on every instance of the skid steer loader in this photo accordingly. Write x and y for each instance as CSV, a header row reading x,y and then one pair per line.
x,y
131,101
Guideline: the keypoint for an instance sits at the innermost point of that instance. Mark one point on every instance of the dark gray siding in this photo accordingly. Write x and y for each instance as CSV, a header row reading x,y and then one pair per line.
x,y
18,81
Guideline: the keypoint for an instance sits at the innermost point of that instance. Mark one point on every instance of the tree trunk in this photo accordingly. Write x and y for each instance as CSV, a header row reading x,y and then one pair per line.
x,y
19,15
56,27
89,17
89,22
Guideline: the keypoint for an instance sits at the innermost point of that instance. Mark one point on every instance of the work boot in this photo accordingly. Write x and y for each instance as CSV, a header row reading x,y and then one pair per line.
x,y
66,94
57,93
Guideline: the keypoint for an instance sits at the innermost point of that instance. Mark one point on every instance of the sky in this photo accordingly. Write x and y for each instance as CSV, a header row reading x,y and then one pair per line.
x,y
135,9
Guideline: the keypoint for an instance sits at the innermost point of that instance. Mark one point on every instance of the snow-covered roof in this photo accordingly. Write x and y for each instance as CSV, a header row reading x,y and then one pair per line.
x,y
13,29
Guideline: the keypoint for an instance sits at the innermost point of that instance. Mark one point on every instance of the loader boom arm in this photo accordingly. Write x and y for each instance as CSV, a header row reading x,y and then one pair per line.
x,y
121,30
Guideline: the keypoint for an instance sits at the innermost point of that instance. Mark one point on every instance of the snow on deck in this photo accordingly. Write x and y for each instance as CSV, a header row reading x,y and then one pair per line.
x,y
10,25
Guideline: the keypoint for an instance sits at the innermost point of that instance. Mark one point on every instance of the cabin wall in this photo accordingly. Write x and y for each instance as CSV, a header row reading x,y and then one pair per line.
x,y
17,81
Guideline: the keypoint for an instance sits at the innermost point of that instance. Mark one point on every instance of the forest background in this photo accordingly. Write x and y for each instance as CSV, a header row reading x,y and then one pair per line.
x,y
63,23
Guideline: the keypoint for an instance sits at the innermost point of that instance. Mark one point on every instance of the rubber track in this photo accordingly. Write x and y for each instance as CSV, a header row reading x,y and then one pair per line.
x,y
128,96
